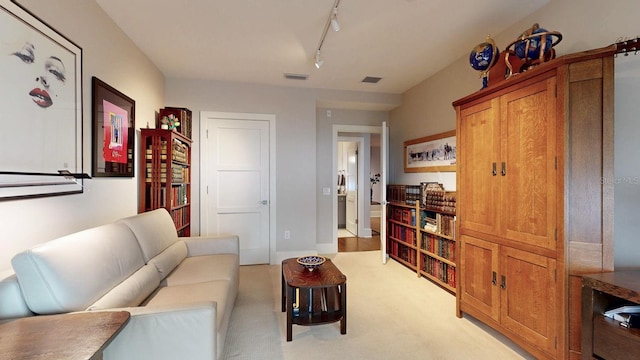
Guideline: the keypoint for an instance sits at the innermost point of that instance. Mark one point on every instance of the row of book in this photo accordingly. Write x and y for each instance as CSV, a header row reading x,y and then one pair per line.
x,y
180,217
428,194
403,194
439,246
438,223
179,173
403,233
179,197
440,270
433,196
405,216
179,151
403,252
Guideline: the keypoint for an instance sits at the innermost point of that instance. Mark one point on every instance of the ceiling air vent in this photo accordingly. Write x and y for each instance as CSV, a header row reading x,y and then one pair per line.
x,y
296,76
371,79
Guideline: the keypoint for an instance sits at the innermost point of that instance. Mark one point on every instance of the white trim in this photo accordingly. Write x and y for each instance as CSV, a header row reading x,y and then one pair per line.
x,y
271,118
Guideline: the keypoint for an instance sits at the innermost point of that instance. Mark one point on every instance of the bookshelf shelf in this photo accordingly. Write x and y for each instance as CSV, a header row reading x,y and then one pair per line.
x,y
165,175
420,231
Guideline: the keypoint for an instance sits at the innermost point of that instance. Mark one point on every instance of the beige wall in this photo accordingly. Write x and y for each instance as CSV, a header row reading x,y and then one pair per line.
x,y
112,57
301,156
584,24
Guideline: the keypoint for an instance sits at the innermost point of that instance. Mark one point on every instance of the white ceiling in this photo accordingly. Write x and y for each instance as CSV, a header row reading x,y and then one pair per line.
x,y
257,41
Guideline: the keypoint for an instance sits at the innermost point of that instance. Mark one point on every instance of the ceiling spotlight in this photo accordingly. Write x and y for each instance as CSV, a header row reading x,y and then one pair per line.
x,y
319,61
335,25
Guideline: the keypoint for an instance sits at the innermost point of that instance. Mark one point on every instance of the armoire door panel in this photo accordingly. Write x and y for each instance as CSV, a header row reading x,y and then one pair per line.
x,y
479,280
528,183
481,158
528,296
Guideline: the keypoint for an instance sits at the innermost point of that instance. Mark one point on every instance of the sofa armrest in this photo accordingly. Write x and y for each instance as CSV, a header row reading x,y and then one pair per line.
x,y
211,245
166,332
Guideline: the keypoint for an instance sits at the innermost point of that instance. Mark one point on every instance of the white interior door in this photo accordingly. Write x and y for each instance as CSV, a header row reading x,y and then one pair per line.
x,y
235,178
352,188
384,171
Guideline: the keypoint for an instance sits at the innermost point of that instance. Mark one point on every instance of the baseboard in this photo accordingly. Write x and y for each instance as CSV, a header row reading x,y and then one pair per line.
x,y
328,248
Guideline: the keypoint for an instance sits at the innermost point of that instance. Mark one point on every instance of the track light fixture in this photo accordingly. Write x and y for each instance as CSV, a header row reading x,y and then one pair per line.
x,y
335,25
332,22
319,60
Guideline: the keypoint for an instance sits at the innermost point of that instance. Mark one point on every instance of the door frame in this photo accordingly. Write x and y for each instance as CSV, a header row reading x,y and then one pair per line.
x,y
204,158
359,129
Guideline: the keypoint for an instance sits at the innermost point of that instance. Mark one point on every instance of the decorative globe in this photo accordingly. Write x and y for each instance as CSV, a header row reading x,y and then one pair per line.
x,y
484,55
535,44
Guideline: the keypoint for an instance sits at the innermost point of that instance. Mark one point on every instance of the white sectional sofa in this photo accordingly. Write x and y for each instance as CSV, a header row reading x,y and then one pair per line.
x,y
180,291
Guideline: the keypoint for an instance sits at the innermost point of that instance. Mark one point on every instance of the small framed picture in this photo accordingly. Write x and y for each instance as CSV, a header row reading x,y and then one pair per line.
x,y
431,153
113,131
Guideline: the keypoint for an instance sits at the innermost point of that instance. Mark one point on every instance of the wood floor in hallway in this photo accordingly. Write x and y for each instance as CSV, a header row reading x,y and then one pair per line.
x,y
348,244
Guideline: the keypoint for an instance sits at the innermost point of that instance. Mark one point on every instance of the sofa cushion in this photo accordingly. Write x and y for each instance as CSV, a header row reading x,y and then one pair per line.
x,y
167,260
204,268
154,230
218,291
12,303
132,291
72,272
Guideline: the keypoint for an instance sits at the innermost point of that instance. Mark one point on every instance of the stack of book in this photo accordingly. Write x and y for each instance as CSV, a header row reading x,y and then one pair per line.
x,y
628,316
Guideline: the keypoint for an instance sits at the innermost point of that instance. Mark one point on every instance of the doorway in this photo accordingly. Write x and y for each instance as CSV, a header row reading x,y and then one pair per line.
x,y
348,170
367,233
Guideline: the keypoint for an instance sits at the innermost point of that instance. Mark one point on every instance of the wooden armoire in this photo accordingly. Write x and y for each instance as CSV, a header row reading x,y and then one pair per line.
x,y
535,199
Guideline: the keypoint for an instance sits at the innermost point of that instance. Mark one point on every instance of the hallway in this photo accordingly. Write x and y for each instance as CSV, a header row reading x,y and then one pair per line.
x,y
350,244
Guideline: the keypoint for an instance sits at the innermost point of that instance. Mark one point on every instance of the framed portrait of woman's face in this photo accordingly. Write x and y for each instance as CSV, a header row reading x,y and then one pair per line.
x,y
40,107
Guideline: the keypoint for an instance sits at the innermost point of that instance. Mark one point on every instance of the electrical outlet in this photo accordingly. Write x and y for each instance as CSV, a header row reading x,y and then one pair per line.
x,y
287,234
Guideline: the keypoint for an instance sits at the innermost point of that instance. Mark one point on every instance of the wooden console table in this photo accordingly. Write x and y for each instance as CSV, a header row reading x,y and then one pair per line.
x,y
76,336
601,336
313,297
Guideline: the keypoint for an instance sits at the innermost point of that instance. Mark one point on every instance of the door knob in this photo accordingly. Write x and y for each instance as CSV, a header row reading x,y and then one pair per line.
x,y
264,202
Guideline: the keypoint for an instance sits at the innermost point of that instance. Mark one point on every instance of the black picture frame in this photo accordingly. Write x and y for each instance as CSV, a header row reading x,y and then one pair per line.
x,y
41,101
113,127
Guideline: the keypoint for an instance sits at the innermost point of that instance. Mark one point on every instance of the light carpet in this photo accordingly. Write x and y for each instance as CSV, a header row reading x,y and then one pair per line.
x,y
392,314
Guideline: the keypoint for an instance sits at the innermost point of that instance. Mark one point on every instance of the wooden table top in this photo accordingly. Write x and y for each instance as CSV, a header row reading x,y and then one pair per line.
x,y
76,336
624,284
325,275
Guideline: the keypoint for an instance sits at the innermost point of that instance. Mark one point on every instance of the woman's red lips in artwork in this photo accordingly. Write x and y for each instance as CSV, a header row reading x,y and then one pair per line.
x,y
41,97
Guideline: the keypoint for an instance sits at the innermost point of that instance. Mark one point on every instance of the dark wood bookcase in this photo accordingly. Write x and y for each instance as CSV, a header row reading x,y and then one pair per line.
x,y
165,175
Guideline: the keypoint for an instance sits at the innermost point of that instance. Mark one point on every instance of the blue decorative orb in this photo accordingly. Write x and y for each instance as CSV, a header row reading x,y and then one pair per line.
x,y
535,44
484,55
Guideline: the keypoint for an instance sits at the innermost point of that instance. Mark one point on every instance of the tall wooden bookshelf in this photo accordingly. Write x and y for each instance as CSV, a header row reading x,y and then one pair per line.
x,y
165,175
421,231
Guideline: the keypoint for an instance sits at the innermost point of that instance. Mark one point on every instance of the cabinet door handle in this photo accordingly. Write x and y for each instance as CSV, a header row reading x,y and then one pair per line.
x,y
503,281
504,169
494,170
494,281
